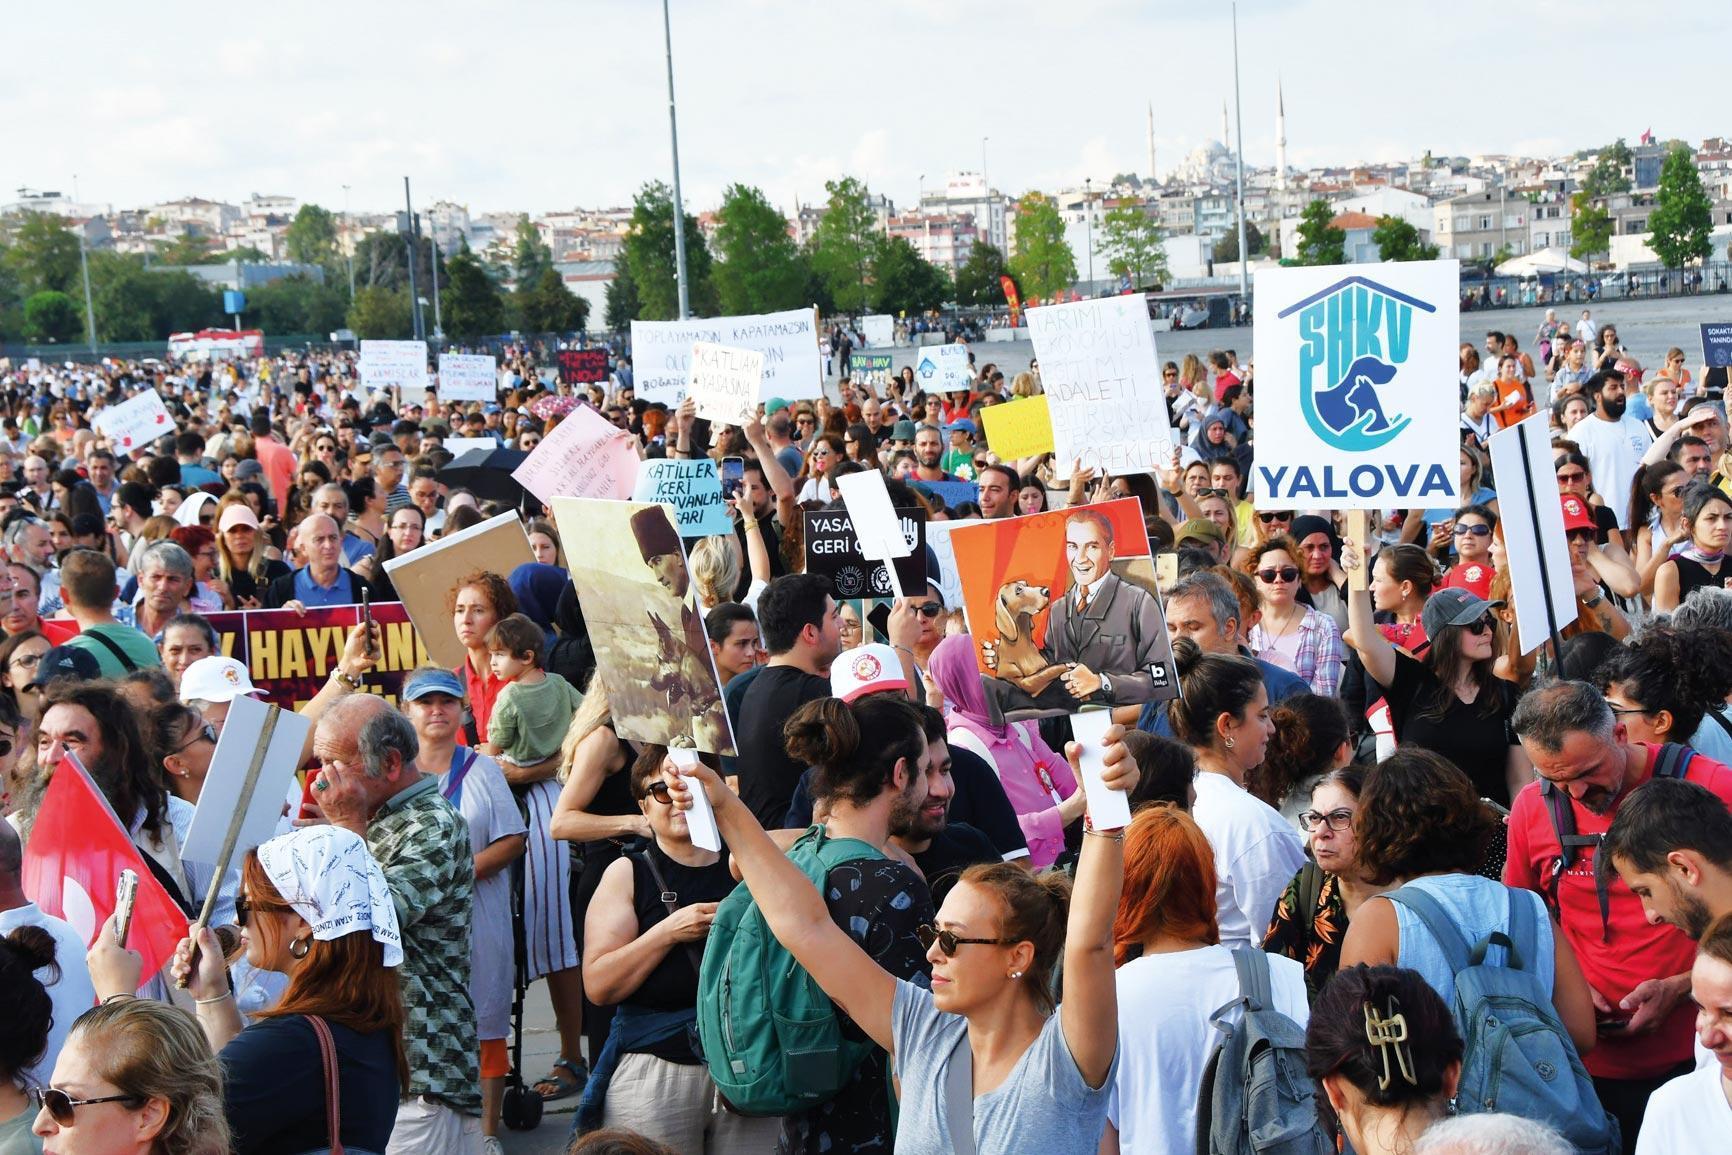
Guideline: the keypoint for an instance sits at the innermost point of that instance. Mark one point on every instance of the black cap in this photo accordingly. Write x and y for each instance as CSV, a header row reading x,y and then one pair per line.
x,y
66,662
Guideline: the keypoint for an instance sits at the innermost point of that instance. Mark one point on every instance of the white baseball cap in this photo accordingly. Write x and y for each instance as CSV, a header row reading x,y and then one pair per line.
x,y
216,679
868,669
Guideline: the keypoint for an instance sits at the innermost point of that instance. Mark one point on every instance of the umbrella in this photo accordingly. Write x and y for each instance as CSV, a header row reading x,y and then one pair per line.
x,y
553,406
487,474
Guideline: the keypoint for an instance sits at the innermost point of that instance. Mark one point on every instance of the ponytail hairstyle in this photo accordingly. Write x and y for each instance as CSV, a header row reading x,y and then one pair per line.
x,y
1338,1039
1209,685
1309,730
1646,486
25,1006
715,568
828,734
1169,884
1034,908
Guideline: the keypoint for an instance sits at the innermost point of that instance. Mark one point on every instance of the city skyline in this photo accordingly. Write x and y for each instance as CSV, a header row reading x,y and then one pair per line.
x,y
187,107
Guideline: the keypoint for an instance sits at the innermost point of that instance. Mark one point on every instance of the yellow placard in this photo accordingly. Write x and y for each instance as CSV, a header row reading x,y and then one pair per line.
x,y
1021,428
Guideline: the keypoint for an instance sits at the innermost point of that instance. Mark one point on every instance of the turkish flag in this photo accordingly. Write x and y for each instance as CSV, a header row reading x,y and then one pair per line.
x,y
76,852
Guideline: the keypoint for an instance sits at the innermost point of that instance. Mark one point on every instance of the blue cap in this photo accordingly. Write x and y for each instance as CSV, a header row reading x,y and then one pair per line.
x,y
433,681
963,424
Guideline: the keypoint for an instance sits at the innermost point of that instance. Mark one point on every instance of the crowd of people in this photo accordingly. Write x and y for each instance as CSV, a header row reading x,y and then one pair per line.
x,y
1372,811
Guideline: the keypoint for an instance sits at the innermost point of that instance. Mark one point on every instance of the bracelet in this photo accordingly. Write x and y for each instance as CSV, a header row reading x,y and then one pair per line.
x,y
748,523
222,998
1116,835
341,678
120,995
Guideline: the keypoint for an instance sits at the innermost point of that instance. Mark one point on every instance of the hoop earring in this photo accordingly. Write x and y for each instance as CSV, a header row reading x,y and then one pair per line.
x,y
1230,743
305,943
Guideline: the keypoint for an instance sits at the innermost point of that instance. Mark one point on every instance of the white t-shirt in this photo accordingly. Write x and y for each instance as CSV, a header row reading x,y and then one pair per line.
x,y
71,996
1690,1113
484,799
1165,1042
1257,853
1614,451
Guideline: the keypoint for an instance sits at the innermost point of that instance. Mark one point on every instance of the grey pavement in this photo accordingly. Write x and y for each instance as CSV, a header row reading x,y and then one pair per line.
x,y
540,1049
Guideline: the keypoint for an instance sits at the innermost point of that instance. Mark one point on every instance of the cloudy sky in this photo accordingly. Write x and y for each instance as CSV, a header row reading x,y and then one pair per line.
x,y
546,104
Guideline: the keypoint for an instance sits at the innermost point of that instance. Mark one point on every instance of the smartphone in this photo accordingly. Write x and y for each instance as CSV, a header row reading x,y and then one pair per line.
x,y
125,892
879,618
367,620
733,476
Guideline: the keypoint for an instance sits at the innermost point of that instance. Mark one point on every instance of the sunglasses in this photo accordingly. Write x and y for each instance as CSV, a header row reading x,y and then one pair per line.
x,y
1570,475
1584,534
1473,530
1266,518
660,792
206,733
1214,493
1479,628
243,908
59,1104
948,941
928,609
1286,573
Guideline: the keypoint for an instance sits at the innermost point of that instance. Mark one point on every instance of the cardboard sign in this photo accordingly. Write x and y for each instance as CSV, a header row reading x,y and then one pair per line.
x,y
290,656
458,446
225,794
1717,345
701,818
425,576
1356,369
468,377
394,365
954,494
134,423
724,383
691,491
1103,385
641,611
1539,553
1020,428
944,369
870,368
877,527
585,455
833,550
582,366
1108,809
793,369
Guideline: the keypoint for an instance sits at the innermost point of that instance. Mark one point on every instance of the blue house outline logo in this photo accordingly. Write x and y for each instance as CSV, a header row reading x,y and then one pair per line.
x,y
1359,332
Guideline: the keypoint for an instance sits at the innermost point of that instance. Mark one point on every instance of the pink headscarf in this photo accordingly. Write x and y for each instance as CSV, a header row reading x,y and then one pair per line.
x,y
957,675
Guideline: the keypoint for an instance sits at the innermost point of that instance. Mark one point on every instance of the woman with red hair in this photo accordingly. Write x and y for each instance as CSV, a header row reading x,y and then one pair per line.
x,y
210,594
1165,939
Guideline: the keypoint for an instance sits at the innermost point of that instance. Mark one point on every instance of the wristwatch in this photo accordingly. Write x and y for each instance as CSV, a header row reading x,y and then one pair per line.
x,y
1594,601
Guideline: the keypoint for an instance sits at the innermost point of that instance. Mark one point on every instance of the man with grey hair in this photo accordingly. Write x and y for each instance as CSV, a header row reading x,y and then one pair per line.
x,y
1637,971
165,581
28,541
332,500
1706,608
368,782
37,490
322,581
1491,1134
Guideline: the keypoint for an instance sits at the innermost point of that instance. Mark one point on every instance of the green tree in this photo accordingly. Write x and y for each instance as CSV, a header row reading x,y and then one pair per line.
x,y
1227,248
759,269
1398,240
649,249
187,249
547,306
382,262
845,243
381,314
245,254
1044,262
977,280
1320,243
41,253
473,304
622,303
1131,240
311,238
531,257
1679,228
297,306
1591,227
1607,177
903,280
52,317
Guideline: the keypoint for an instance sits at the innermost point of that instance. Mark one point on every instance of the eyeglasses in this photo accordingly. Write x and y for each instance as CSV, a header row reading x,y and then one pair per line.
x,y
929,609
1286,573
1620,711
59,1104
948,941
660,792
27,662
1266,518
206,732
1341,819
1480,627
1473,530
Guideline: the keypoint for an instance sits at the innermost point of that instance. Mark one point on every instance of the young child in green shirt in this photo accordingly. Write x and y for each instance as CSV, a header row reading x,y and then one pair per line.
x,y
533,710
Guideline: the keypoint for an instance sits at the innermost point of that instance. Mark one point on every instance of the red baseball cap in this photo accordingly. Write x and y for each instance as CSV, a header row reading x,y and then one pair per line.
x,y
1576,515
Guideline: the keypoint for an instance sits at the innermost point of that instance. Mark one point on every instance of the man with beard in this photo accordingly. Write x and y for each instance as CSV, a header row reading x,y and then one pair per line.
x,y
942,849
1671,844
1638,971
929,455
1611,440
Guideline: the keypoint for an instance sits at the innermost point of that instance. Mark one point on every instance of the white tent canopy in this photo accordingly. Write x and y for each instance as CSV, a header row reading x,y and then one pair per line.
x,y
1553,260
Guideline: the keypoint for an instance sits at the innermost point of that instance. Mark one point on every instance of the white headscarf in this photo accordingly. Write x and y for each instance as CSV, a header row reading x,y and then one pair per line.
x,y
328,876
187,512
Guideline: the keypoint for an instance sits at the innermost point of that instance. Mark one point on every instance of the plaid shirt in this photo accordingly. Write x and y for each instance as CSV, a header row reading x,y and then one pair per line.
x,y
1319,657
422,845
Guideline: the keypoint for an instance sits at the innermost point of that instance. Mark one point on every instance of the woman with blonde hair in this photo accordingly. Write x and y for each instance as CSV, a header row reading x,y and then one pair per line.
x,y
1023,385
244,559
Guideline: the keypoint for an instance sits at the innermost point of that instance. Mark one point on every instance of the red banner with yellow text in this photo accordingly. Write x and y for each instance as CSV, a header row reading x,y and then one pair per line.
x,y
290,656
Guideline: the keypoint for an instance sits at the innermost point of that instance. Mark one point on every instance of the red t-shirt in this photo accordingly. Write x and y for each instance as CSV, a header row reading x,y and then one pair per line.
x,y
1223,382
1474,577
483,690
1632,951
278,462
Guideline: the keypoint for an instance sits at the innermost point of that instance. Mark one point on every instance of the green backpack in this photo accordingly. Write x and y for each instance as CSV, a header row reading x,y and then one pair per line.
x,y
772,1038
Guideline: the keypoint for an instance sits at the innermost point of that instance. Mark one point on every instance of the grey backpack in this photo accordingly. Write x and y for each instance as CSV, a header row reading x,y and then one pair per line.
x,y
1256,1094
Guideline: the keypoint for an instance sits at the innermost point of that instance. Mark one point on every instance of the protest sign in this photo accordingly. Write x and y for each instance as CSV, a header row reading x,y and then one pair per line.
x,y
394,364
944,550
662,352
1356,369
701,818
426,576
952,493
692,492
871,369
1020,428
458,446
290,656
724,383
135,422
944,369
877,527
468,377
651,652
228,795
1103,385
1065,611
833,551
1541,585
585,455
582,366
1108,809
878,329
1717,345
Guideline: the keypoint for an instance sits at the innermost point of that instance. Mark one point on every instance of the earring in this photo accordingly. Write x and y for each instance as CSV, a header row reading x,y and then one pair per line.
x,y
304,943
1230,743
1015,974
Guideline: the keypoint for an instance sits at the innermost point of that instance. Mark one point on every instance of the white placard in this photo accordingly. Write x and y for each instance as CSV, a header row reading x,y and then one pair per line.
x,y
135,422
876,525
701,818
1357,378
662,352
724,383
1108,809
468,377
944,369
221,795
1103,385
458,446
879,330
949,579
394,364
1523,488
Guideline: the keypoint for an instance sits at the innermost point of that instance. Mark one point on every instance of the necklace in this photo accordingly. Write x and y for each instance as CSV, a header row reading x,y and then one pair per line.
x,y
1293,618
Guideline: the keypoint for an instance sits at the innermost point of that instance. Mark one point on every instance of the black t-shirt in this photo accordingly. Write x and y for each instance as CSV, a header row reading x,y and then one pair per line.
x,y
955,849
767,775
673,984
1475,740
274,1087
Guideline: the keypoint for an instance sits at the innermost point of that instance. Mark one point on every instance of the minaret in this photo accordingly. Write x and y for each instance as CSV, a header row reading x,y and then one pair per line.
x,y
1151,142
1226,137
1280,138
